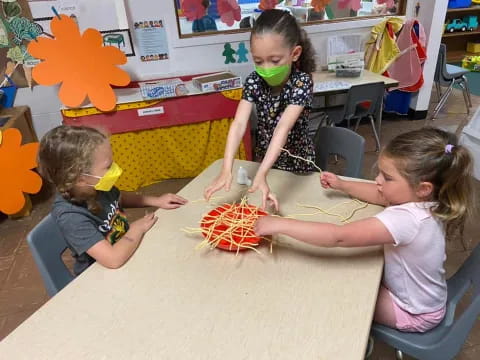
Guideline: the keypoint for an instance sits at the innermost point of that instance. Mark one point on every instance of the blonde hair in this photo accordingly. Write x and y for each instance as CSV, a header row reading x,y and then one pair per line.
x,y
423,156
65,153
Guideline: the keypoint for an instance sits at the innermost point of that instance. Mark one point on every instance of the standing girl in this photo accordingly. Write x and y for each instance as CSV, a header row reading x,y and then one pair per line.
x,y
424,182
281,89
88,208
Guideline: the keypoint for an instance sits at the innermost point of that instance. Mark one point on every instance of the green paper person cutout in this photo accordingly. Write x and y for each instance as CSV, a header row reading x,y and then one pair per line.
x,y
242,53
228,53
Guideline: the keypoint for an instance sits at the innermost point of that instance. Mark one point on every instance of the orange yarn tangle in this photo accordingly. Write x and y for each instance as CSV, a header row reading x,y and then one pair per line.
x,y
230,227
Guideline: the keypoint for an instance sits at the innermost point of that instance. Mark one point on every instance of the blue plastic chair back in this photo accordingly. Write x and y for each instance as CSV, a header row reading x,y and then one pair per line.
x,y
47,244
445,73
364,100
340,141
445,341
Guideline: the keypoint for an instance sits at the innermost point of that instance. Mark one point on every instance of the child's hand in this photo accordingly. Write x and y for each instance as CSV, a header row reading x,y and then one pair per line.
x,y
329,180
222,180
265,225
141,226
260,183
169,201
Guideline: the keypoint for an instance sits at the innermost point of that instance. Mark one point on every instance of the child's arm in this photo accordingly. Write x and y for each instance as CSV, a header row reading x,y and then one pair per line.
x,y
235,135
360,190
114,256
279,138
365,232
165,201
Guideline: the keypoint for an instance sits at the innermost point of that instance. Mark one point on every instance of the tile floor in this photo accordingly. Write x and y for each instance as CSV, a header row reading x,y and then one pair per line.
x,y
22,291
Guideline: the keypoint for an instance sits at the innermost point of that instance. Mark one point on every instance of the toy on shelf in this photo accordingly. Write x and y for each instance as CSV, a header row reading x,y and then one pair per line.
x,y
456,25
471,21
473,47
456,4
471,63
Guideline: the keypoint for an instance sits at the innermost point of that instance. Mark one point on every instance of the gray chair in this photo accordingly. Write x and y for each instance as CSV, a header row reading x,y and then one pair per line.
x,y
362,101
449,75
47,245
446,340
330,140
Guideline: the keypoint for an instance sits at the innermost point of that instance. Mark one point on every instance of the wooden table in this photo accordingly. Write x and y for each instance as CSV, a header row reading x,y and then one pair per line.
x,y
171,301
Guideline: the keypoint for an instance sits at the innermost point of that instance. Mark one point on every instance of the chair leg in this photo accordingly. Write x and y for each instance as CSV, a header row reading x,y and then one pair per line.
x,y
465,81
465,96
375,134
442,101
439,90
370,346
356,125
398,354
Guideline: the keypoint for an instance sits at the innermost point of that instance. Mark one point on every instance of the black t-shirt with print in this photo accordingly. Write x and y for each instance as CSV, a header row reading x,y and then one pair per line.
x,y
83,229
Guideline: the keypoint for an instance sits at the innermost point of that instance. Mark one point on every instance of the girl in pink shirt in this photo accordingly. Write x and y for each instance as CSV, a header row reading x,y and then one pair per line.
x,y
424,182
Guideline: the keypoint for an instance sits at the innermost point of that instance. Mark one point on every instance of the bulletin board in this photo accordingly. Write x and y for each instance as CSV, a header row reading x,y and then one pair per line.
x,y
16,31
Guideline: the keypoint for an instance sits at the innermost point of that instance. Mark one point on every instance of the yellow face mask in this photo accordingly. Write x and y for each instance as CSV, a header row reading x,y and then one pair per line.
x,y
107,181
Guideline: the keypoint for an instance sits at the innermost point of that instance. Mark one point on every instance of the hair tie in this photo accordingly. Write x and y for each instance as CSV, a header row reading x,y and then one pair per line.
x,y
449,148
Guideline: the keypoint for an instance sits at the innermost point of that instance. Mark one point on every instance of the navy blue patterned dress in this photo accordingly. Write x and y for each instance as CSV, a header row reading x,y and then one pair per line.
x,y
297,91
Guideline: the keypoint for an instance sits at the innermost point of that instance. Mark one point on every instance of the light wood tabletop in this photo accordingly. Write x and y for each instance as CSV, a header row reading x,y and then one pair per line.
x,y
171,301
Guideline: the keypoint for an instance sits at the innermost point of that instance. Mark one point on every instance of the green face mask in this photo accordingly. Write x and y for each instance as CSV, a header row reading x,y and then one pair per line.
x,y
275,75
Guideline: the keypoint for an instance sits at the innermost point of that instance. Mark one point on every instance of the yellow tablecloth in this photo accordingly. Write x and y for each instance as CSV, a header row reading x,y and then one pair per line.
x,y
154,155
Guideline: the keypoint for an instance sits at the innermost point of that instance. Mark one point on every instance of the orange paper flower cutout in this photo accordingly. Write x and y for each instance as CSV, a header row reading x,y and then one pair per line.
x,y
81,63
267,4
319,5
16,162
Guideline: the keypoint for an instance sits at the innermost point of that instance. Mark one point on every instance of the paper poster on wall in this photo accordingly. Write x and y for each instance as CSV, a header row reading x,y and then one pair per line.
x,y
102,15
120,38
152,40
80,62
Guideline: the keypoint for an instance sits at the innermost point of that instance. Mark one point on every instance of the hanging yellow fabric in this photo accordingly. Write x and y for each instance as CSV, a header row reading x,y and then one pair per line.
x,y
150,156
381,49
235,94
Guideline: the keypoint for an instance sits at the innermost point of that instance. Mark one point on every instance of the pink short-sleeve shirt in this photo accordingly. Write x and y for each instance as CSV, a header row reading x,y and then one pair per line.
x,y
414,270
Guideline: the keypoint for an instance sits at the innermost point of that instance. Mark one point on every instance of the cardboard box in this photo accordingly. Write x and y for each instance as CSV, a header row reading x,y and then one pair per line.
x,y
217,82
473,47
160,89
19,117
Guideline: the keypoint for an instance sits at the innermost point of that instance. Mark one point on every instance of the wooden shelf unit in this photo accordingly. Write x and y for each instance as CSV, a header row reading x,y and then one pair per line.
x,y
461,10
456,42
461,33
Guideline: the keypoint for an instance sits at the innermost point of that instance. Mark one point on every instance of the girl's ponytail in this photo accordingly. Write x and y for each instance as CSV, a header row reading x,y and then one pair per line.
x,y
455,193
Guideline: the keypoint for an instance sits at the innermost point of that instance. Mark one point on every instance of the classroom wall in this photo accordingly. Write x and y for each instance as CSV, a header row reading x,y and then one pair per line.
x,y
187,56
